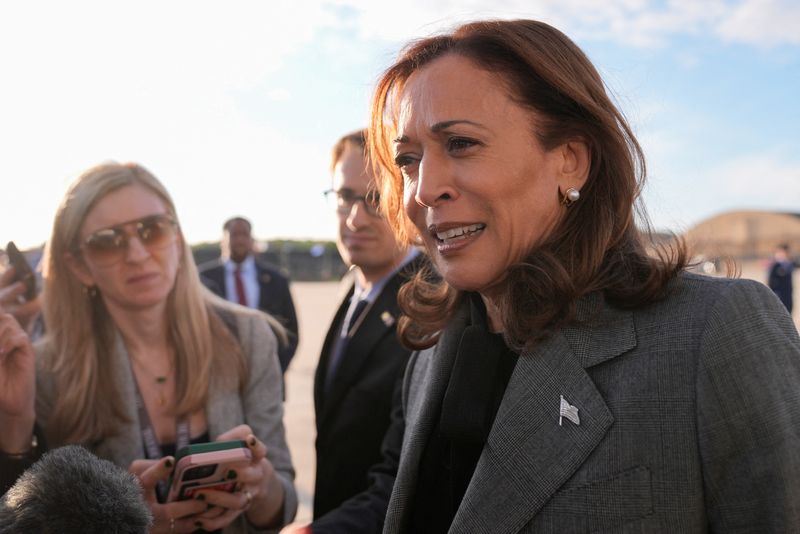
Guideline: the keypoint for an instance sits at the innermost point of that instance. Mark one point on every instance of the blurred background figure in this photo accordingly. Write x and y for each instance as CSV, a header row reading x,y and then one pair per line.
x,y
240,277
71,490
780,276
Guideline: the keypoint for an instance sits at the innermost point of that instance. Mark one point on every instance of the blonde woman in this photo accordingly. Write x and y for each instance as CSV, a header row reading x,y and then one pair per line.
x,y
139,359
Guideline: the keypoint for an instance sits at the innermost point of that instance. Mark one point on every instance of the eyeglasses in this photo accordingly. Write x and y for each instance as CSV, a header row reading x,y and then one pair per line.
x,y
108,246
344,199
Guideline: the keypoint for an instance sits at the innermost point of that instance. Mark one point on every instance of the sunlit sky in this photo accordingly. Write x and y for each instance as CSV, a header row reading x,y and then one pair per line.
x,y
234,105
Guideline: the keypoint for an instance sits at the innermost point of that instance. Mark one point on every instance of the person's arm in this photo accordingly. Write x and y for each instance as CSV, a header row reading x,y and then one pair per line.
x,y
365,513
17,395
263,406
288,317
13,465
748,413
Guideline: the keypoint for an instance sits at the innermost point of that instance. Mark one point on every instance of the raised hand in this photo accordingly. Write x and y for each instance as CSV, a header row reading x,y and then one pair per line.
x,y
10,293
259,492
169,518
17,386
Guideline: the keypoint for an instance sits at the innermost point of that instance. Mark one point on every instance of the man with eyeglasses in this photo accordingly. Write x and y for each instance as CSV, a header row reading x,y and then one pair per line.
x,y
362,362
240,277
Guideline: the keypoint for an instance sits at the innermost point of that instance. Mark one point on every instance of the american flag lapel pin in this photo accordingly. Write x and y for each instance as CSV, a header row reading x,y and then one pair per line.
x,y
569,411
387,318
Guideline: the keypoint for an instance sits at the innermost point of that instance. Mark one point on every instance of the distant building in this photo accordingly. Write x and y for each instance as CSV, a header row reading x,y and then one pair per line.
x,y
744,235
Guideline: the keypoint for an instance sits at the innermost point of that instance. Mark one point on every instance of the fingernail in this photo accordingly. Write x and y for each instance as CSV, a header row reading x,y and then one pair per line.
x,y
231,474
252,441
168,463
200,496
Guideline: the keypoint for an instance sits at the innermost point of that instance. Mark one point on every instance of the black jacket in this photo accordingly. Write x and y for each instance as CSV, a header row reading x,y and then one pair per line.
x,y
353,416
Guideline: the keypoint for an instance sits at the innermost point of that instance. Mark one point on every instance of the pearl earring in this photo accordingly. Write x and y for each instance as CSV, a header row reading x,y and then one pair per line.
x,y
571,195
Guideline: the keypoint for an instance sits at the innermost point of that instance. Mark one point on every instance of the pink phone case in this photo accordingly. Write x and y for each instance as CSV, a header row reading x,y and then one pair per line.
x,y
206,470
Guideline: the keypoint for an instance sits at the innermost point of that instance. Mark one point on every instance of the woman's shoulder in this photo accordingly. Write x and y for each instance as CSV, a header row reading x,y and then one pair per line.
x,y
718,309
252,328
697,307
238,317
739,294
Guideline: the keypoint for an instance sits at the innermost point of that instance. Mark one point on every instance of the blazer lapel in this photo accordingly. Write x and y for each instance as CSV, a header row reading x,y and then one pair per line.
x,y
126,444
321,372
378,322
422,405
528,455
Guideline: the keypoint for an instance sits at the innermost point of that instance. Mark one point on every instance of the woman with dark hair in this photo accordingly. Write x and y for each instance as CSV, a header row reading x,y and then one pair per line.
x,y
571,377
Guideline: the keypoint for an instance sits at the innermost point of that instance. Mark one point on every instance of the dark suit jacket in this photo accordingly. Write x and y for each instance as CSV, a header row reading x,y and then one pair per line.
x,y
689,413
780,281
354,415
275,299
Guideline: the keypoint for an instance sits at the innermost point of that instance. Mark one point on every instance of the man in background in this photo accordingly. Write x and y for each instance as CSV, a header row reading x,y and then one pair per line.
x,y
362,362
240,277
780,276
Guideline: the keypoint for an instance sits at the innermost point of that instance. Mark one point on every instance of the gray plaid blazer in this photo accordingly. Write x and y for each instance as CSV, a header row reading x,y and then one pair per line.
x,y
689,421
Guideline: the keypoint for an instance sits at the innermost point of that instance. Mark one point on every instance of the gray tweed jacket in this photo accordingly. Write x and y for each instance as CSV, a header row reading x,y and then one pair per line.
x,y
689,421
259,406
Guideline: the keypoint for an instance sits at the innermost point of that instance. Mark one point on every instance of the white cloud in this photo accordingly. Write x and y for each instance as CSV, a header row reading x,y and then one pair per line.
x,y
762,22
279,94
770,179
639,23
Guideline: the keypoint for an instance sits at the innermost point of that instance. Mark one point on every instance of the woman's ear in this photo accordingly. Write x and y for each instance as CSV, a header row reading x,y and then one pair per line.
x,y
78,269
576,161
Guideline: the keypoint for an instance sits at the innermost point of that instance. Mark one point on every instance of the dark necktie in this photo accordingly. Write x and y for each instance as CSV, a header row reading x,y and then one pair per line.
x,y
336,357
241,296
359,309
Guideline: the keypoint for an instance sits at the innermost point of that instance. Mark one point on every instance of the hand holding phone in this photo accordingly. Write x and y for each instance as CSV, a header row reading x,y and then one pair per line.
x,y
207,466
22,271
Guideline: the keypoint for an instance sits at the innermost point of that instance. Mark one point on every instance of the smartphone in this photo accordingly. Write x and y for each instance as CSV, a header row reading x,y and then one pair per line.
x,y
205,466
22,271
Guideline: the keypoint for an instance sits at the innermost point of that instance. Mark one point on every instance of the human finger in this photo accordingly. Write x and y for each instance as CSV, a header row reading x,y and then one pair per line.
x,y
237,432
187,508
151,475
138,467
10,293
217,523
12,340
212,512
12,336
176,518
237,500
7,276
257,448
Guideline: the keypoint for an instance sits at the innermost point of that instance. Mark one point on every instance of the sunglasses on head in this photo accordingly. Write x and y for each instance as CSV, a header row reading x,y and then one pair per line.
x,y
109,245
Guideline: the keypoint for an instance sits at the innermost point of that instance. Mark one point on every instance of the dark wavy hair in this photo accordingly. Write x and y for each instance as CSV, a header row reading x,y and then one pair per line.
x,y
596,245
